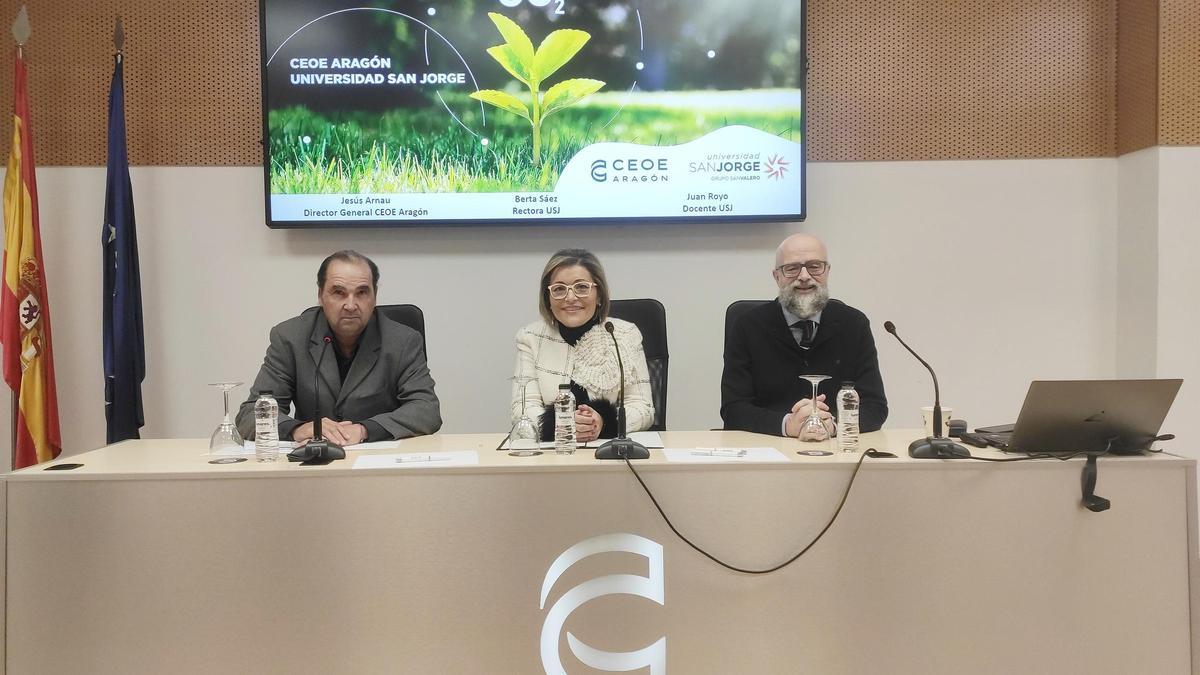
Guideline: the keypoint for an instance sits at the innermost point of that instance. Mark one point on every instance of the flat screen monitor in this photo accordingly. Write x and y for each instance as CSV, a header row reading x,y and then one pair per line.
x,y
423,112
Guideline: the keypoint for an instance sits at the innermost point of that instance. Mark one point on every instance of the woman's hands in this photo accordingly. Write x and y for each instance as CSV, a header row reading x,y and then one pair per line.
x,y
588,424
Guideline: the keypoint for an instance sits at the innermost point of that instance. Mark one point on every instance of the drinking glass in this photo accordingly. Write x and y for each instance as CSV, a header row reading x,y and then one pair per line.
x,y
226,440
813,429
523,437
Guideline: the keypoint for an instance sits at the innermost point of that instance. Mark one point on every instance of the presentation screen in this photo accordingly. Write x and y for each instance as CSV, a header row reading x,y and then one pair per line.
x,y
436,112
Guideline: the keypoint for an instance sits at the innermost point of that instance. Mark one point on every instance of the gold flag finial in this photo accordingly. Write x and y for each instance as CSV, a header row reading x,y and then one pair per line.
x,y
119,36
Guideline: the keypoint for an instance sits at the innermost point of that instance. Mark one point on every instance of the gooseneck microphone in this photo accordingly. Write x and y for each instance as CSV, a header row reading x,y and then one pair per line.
x,y
933,447
318,450
937,395
620,447
325,341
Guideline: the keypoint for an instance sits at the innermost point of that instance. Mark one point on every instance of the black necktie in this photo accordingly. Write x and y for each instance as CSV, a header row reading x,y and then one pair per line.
x,y
808,332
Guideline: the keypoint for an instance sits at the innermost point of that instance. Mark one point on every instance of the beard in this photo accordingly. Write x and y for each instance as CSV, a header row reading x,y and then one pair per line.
x,y
805,305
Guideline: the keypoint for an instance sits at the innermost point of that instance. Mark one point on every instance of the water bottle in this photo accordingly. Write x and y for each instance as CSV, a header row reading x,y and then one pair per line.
x,y
847,426
266,428
564,420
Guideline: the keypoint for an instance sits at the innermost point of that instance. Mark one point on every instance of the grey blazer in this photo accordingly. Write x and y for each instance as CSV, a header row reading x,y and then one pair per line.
x,y
388,382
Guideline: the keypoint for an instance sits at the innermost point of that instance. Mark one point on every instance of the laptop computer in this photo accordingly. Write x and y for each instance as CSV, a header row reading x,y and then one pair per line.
x,y
1068,416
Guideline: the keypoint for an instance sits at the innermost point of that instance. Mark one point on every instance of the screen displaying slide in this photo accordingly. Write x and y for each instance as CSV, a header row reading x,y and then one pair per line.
x,y
428,112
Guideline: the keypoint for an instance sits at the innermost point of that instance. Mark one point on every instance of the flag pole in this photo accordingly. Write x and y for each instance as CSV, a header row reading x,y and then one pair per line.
x,y
28,355
124,337
20,32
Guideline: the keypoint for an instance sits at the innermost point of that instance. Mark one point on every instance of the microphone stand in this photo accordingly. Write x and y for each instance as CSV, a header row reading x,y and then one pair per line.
x,y
621,447
318,450
935,446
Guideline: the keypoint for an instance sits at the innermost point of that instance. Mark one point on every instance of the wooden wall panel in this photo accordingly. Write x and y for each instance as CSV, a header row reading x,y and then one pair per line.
x,y
1137,75
960,79
1179,76
889,79
191,80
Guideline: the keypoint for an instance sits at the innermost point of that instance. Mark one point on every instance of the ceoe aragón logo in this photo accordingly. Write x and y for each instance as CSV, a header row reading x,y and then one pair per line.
x,y
650,587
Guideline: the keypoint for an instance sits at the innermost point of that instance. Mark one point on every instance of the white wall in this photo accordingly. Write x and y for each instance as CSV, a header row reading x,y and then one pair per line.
x,y
1178,275
1137,264
999,272
1158,241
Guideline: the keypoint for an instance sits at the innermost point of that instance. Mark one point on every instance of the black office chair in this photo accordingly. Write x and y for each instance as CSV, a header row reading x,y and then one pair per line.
x,y
651,319
735,310
409,315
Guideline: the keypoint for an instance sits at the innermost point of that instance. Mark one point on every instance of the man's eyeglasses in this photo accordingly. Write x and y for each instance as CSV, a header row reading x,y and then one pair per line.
x,y
581,289
792,270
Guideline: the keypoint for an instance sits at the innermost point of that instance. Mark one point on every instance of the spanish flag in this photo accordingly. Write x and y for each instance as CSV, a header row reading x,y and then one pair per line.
x,y
24,310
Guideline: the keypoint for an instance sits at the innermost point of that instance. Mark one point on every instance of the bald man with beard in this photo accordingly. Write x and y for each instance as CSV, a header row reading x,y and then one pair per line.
x,y
802,332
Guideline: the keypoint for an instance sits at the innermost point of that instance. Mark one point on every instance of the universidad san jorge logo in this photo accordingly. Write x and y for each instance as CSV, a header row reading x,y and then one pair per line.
x,y
740,166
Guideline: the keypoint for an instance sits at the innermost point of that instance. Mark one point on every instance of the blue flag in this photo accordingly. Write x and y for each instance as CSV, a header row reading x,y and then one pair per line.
x,y
124,341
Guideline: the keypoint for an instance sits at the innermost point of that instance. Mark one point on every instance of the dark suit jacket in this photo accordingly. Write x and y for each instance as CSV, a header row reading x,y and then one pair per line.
x,y
388,382
763,364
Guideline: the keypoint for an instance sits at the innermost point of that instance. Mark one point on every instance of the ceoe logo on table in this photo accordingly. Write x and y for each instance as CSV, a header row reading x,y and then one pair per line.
x,y
650,587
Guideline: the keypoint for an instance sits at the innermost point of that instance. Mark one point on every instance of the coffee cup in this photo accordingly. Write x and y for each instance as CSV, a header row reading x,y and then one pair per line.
x,y
927,419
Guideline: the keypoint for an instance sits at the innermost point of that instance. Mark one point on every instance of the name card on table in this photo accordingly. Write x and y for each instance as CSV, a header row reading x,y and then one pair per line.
x,y
724,455
650,439
248,449
415,460
375,445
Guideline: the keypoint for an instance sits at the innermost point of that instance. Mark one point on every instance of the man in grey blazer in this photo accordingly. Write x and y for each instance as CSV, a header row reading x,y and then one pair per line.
x,y
374,382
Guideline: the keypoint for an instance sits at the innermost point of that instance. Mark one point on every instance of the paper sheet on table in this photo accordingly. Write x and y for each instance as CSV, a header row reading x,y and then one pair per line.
x,y
376,445
753,456
412,460
287,446
248,449
544,445
650,439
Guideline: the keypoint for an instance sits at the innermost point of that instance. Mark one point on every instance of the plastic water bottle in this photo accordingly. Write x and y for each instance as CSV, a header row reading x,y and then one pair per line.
x,y
266,428
564,420
847,426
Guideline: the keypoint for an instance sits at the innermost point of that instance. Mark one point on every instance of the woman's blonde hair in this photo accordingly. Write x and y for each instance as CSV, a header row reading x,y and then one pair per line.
x,y
570,257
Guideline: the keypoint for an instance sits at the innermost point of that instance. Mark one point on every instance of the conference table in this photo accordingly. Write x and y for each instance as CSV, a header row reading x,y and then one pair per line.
x,y
149,558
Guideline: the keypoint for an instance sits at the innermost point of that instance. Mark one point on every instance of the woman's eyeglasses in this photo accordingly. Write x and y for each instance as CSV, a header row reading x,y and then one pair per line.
x,y
581,289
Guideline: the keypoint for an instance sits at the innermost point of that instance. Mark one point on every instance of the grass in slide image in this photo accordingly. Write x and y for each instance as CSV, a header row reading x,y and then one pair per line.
x,y
426,150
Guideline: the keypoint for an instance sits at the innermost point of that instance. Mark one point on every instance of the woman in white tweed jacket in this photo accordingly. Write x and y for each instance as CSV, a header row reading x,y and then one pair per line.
x,y
570,345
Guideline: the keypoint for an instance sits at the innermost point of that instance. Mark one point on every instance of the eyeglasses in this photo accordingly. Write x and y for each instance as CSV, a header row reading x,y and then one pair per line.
x,y
581,289
815,268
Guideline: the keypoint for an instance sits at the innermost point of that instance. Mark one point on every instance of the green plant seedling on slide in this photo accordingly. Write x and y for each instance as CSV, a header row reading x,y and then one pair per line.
x,y
532,68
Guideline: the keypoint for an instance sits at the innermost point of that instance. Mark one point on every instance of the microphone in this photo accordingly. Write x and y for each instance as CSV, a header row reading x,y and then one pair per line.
x,y
318,450
935,446
317,388
620,447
